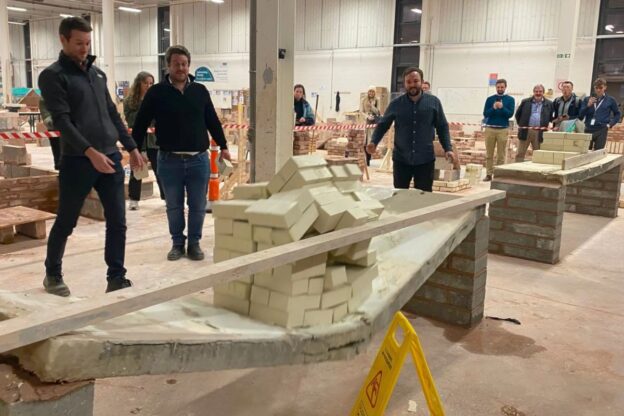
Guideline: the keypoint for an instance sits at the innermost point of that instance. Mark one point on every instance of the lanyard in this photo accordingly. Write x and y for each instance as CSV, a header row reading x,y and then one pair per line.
x,y
596,107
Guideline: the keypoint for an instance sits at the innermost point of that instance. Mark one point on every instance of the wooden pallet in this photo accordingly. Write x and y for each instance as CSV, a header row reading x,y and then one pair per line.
x,y
23,220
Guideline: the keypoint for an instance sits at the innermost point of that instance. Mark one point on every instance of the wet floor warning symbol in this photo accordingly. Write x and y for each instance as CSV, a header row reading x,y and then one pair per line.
x,y
372,390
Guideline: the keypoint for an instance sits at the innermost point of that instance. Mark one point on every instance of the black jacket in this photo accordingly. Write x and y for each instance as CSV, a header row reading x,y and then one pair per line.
x,y
523,115
573,109
182,118
82,108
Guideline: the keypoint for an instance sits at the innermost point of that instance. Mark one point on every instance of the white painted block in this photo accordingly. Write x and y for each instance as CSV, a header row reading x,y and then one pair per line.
x,y
220,254
296,163
233,209
233,244
354,251
543,157
315,285
307,177
335,276
353,304
348,186
290,303
264,246
339,173
236,289
260,295
262,234
335,297
269,315
353,171
330,215
368,261
276,184
242,230
361,279
297,231
231,303
282,284
303,197
353,217
310,267
274,213
258,190
340,311
224,226
318,317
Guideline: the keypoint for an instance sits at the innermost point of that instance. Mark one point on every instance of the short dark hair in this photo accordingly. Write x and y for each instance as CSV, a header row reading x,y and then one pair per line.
x,y
600,82
413,69
568,82
426,82
501,81
74,23
177,50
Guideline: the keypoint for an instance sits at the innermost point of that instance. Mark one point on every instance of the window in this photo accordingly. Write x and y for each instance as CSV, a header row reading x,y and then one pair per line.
x,y
27,56
164,40
611,20
609,60
407,33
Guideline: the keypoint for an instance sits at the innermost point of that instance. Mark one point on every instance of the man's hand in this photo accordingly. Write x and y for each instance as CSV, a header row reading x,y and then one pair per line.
x,y
498,105
225,154
371,148
450,156
137,160
302,120
591,101
100,161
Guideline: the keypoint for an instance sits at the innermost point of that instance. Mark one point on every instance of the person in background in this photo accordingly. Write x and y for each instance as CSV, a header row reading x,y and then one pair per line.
x,y
426,87
184,114
416,117
55,142
304,116
142,82
566,108
498,109
369,108
534,114
601,113
76,94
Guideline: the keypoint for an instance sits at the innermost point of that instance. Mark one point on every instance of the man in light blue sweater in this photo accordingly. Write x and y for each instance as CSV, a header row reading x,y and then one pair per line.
x,y
498,109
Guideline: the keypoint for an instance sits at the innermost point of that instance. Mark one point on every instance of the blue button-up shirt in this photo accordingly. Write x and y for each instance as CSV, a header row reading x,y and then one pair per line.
x,y
536,113
415,125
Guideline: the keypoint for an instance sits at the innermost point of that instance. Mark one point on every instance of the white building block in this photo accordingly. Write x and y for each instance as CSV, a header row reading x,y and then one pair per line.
x,y
262,234
236,289
276,184
220,254
289,303
242,230
353,171
233,244
298,230
324,195
335,297
330,215
361,279
335,276
258,190
303,197
353,217
282,284
264,246
307,177
340,312
354,251
369,260
543,157
260,295
274,213
348,186
231,303
233,209
224,226
315,285
339,173
296,163
269,315
313,266
318,317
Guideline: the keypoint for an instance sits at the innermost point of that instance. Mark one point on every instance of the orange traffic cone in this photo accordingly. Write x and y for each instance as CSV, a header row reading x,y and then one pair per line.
x,y
213,185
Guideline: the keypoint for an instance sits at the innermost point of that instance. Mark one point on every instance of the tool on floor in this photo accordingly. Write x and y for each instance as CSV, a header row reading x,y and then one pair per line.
x,y
377,389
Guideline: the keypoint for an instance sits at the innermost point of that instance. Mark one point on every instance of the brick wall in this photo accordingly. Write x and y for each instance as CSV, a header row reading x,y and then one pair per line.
x,y
599,195
39,192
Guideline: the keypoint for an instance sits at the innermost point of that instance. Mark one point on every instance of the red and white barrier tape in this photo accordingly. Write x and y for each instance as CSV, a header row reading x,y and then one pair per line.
x,y
26,135
324,127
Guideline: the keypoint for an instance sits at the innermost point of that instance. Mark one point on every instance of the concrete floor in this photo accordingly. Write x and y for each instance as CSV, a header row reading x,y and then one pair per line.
x,y
564,359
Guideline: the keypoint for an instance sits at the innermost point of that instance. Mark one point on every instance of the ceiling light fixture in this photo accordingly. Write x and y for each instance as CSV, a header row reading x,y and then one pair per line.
x,y
217,1
129,9
16,9
17,23
609,28
619,32
63,15
417,11
167,29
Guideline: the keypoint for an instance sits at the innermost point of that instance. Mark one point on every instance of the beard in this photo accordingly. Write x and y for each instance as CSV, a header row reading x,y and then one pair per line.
x,y
413,92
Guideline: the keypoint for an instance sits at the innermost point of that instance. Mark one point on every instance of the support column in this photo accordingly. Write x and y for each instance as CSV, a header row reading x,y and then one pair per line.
x,y
272,77
22,394
598,196
108,43
566,39
455,292
5,52
528,222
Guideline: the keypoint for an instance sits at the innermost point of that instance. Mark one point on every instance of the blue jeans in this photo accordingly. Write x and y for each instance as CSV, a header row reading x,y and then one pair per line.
x,y
177,175
77,177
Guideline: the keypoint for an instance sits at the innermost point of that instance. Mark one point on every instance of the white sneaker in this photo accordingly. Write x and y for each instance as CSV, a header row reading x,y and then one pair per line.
x,y
133,205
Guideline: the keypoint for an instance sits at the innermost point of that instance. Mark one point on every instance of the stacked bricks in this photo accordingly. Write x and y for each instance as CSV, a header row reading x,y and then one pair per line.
x,y
337,147
558,146
472,156
92,206
616,133
451,186
473,173
463,143
305,198
301,142
527,223
340,160
455,293
15,155
355,147
599,195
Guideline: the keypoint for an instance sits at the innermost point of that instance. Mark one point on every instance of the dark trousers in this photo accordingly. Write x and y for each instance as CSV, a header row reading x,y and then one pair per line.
x,y
421,174
134,186
55,144
77,177
599,138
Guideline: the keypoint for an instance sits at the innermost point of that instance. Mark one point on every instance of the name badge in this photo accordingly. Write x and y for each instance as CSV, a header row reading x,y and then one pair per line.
x,y
592,122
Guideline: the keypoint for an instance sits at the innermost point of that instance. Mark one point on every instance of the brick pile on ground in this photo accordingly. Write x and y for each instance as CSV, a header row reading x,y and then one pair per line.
x,y
473,173
301,142
337,146
451,186
305,198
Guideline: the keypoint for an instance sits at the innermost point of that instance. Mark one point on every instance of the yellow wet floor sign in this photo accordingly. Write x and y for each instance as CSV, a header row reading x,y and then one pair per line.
x,y
377,389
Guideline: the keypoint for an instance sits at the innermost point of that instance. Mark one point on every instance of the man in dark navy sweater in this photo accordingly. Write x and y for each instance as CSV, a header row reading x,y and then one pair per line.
x,y
77,97
601,113
184,113
416,116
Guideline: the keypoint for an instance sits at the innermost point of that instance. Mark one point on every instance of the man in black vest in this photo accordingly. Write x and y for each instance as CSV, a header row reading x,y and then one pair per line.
x,y
76,95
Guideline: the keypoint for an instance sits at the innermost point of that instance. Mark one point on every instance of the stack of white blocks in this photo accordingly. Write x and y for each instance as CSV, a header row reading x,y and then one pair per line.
x,y
305,198
558,146
473,173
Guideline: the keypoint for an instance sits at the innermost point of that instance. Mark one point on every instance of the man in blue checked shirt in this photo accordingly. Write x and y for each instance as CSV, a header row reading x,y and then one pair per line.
x,y
416,116
601,113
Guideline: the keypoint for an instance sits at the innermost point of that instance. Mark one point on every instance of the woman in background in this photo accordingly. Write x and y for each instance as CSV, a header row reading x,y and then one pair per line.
x,y
304,116
132,103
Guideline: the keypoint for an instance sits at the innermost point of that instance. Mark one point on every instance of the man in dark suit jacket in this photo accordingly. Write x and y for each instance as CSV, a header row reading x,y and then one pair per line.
x,y
533,116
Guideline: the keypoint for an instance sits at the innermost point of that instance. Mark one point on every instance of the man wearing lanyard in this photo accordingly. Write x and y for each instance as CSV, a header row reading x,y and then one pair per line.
x,y
416,116
601,112
183,112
